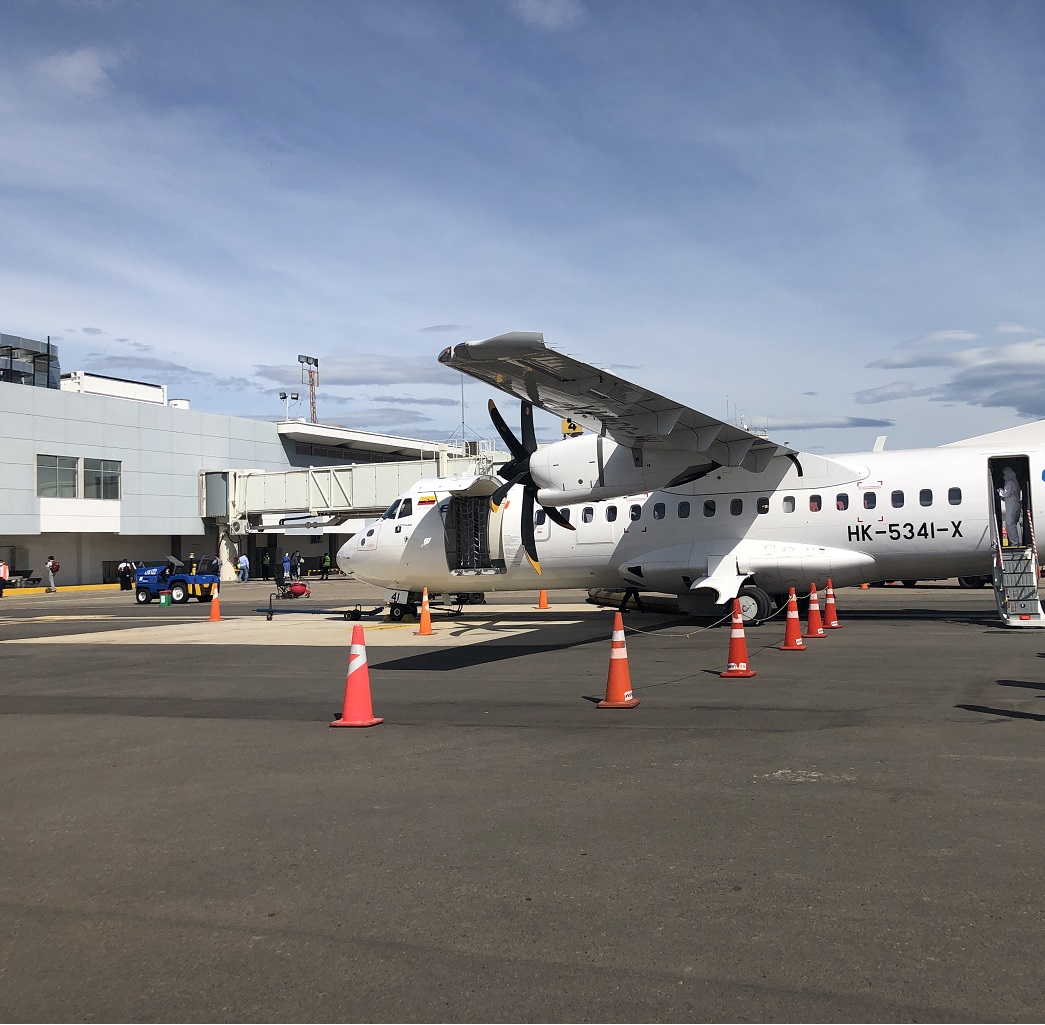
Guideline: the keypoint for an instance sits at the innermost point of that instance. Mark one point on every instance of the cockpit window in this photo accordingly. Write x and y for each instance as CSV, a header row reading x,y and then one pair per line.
x,y
390,513
407,508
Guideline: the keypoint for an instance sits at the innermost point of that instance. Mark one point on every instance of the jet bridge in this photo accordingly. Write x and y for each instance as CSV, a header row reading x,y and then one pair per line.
x,y
259,501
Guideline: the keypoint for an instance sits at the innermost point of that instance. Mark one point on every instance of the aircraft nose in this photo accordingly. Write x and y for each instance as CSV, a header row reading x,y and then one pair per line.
x,y
344,562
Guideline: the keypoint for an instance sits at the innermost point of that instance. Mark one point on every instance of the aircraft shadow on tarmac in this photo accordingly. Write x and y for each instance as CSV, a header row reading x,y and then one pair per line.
x,y
1008,713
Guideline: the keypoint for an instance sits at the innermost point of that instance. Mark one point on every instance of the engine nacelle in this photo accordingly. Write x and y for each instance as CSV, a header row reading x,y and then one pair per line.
x,y
592,468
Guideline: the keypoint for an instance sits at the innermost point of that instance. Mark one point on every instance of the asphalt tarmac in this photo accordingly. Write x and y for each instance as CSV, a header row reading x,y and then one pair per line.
x,y
854,834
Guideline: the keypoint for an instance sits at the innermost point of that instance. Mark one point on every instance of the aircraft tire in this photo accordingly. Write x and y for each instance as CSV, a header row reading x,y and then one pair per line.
x,y
755,604
909,583
396,613
972,582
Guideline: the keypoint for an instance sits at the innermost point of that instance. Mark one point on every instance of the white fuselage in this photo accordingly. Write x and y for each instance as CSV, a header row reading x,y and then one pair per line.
x,y
915,514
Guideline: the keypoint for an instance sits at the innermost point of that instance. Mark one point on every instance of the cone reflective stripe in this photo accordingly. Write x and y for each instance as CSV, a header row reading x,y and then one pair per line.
x,y
543,602
830,613
426,617
357,710
215,607
793,627
618,681
816,624
737,646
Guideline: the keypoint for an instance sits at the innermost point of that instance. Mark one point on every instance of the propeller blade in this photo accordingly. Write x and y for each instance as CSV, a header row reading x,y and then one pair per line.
x,y
528,542
557,517
499,495
529,438
514,446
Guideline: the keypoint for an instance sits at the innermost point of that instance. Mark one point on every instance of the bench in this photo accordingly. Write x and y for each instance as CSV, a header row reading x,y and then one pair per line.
x,y
22,578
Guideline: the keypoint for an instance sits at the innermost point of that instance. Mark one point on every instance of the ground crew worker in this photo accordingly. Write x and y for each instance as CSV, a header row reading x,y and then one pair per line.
x,y
5,575
1009,493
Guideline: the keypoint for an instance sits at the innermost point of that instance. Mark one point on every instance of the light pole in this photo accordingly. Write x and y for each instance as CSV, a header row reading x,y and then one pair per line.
x,y
310,364
288,398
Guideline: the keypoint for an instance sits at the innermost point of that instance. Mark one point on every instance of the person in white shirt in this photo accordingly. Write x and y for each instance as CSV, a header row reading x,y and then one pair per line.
x,y
244,568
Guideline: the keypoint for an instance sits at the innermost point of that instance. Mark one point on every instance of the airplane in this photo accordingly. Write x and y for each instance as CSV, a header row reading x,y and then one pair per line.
x,y
660,497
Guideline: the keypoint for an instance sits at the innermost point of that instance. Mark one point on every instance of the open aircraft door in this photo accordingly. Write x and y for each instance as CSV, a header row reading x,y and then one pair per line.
x,y
1015,573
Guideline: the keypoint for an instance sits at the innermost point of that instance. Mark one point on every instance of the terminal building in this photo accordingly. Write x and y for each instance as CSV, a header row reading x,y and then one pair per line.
x,y
99,469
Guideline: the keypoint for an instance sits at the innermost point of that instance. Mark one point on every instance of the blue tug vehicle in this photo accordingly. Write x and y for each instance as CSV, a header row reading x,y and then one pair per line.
x,y
172,576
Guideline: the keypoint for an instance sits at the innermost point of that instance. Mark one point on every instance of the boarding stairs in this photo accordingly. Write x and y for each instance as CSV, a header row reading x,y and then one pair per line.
x,y
1016,586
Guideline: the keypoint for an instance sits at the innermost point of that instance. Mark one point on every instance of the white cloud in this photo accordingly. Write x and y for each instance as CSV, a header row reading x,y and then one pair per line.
x,y
891,392
84,71
1006,327
549,14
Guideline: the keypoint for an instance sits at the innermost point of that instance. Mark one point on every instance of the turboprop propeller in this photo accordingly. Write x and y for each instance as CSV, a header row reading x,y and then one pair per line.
x,y
517,471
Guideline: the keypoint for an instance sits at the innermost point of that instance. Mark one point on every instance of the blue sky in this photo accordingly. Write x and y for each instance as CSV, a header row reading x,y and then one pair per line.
x,y
821,215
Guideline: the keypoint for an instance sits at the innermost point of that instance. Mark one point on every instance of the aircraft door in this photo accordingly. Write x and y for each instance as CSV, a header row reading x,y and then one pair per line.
x,y
1012,523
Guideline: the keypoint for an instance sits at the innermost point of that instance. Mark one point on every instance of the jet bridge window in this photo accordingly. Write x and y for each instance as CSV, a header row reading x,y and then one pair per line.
x,y
390,513
954,496
407,508
658,511
870,499
709,507
683,510
925,496
611,513
897,499
588,514
635,512
736,507
841,501
762,505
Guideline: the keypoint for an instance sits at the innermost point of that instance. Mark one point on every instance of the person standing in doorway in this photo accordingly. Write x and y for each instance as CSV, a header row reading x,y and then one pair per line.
x,y
266,564
52,566
1009,493
325,566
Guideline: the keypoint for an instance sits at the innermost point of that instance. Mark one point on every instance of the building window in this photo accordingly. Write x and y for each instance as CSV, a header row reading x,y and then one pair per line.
x,y
683,510
588,514
870,499
658,511
611,513
925,496
897,499
56,477
709,507
954,496
736,507
101,479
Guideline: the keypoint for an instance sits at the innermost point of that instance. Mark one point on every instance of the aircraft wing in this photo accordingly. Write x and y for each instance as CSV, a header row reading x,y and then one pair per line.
x,y
520,364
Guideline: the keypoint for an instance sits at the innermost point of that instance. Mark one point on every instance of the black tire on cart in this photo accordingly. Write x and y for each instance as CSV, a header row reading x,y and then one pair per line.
x,y
179,593
142,596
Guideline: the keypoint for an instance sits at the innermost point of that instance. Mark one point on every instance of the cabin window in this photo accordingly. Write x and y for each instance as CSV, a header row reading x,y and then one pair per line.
x,y
611,513
762,505
635,512
407,508
709,507
565,514
925,496
390,513
870,499
658,511
683,510
954,496
841,501
815,503
736,507
788,504
540,518
587,514
897,499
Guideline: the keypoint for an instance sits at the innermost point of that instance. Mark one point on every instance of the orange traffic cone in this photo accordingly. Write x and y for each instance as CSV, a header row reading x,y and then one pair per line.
x,y
543,603
426,617
816,624
737,645
357,710
618,681
215,607
792,627
830,612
